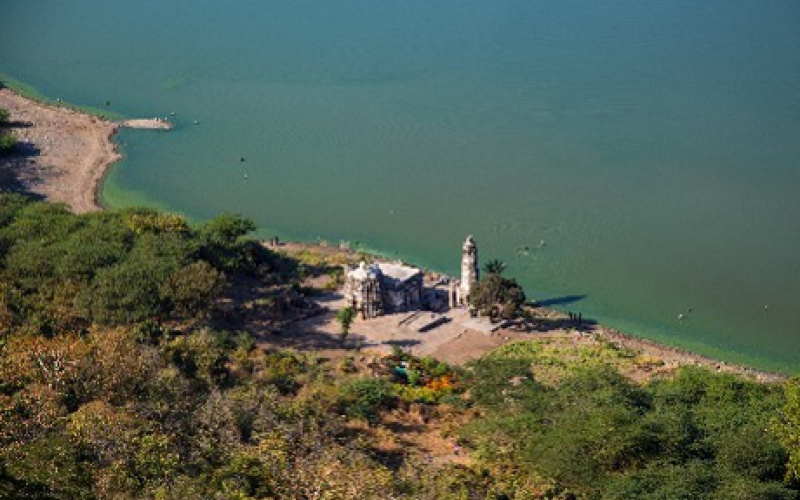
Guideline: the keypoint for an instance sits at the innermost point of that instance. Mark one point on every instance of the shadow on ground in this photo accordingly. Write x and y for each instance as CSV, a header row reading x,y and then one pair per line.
x,y
17,171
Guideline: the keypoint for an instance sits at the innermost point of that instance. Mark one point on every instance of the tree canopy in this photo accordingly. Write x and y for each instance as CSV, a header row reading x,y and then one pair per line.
x,y
111,268
497,296
114,386
596,434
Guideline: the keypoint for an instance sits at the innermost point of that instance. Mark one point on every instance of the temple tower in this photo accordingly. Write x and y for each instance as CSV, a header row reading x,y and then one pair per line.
x,y
363,290
469,270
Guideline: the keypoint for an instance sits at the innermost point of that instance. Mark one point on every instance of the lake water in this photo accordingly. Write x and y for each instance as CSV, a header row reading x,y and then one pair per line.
x,y
654,146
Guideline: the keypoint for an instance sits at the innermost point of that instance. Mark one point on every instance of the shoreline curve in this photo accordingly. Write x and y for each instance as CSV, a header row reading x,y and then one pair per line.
x,y
63,154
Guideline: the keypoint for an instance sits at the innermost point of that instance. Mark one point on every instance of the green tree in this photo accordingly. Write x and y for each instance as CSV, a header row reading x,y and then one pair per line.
x,y
7,142
10,205
48,469
365,397
126,293
226,229
191,289
222,241
498,296
345,317
494,266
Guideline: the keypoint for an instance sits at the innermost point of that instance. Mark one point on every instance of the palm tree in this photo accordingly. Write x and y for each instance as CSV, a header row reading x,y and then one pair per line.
x,y
494,266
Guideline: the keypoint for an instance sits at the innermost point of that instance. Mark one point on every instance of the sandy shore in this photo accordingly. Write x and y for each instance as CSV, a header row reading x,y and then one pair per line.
x,y
62,154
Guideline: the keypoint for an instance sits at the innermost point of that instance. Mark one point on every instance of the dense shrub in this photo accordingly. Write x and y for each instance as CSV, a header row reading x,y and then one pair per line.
x,y
365,397
7,142
109,391
68,271
698,435
498,296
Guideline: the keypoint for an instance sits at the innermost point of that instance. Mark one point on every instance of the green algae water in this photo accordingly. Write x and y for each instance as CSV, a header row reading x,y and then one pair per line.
x,y
631,160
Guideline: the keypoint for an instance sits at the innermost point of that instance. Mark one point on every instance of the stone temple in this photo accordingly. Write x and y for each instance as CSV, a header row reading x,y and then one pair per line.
x,y
383,288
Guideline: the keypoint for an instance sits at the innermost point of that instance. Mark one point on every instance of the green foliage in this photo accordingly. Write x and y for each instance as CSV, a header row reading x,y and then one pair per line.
x,y
503,382
62,271
48,469
10,206
125,293
365,397
345,317
7,142
159,407
201,356
191,289
433,367
497,296
398,354
494,266
415,394
283,369
7,139
145,220
598,435
414,377
786,426
556,359
222,242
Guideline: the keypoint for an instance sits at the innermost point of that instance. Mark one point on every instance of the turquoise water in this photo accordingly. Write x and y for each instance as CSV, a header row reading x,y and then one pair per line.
x,y
653,145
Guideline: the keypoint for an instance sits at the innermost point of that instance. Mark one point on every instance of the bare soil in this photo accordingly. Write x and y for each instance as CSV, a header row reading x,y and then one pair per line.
x,y
62,154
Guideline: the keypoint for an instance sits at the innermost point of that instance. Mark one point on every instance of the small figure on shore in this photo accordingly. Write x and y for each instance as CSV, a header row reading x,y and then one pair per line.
x,y
456,449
